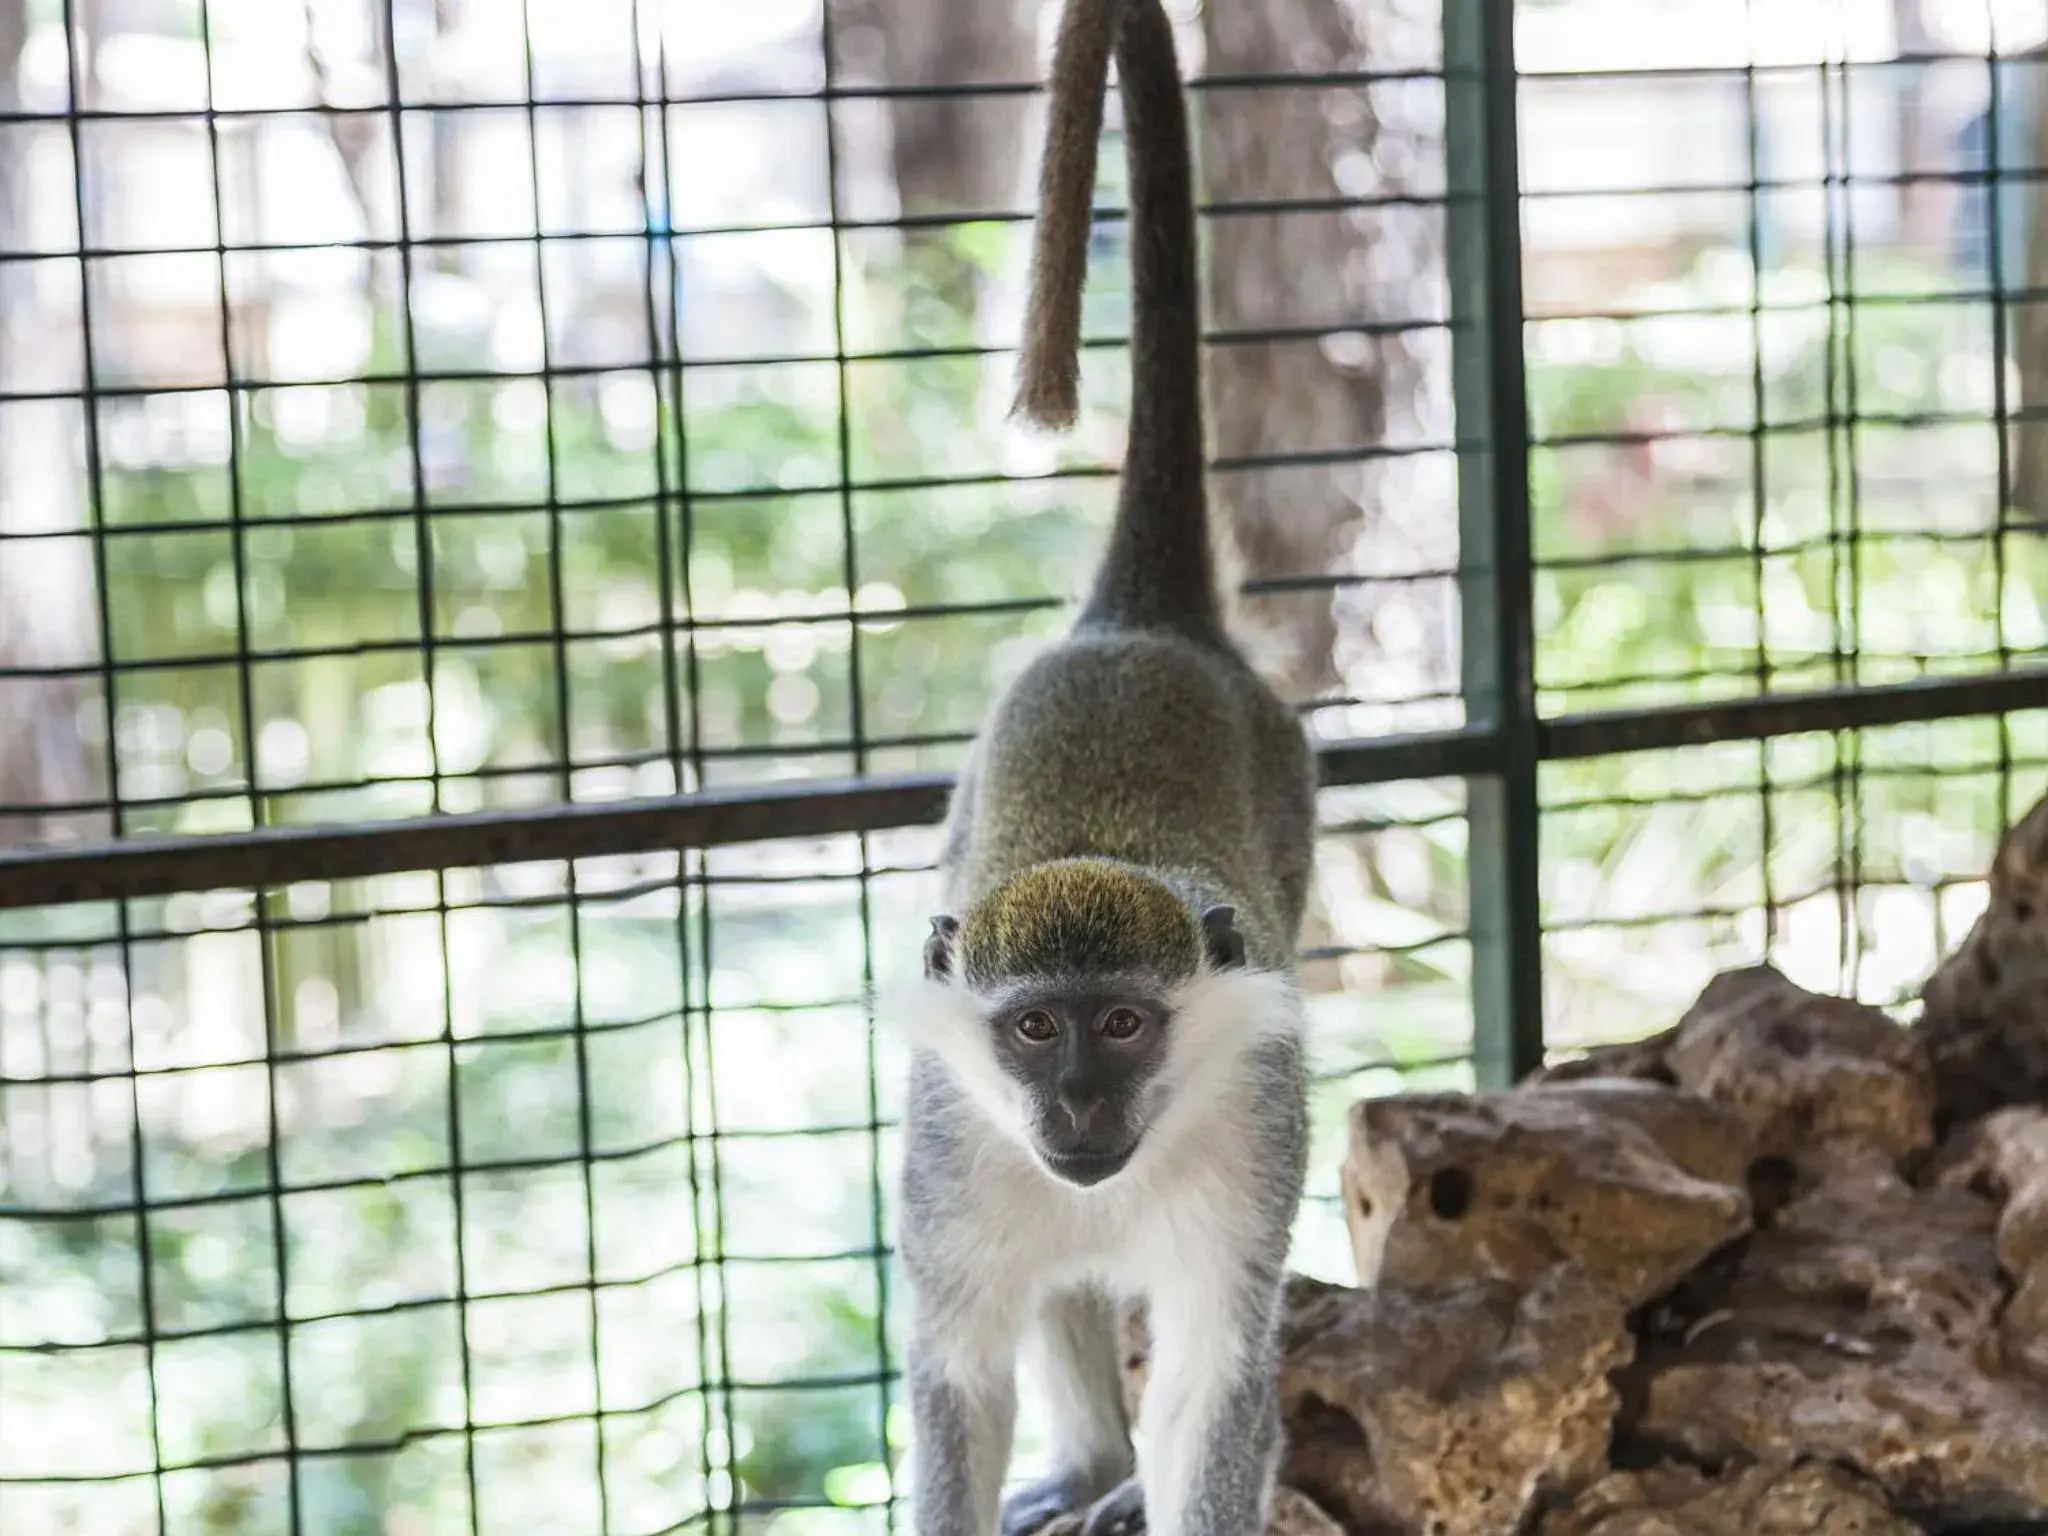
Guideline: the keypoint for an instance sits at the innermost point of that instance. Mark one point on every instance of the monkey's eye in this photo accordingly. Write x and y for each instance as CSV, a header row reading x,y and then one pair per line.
x,y
1038,1026
1121,1024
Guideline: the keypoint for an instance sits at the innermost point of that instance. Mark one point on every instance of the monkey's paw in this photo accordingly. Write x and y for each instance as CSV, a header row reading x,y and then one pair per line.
x,y
1036,1505
1120,1512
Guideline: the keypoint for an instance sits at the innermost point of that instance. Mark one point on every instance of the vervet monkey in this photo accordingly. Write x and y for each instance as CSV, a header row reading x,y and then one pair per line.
x,y
1107,1096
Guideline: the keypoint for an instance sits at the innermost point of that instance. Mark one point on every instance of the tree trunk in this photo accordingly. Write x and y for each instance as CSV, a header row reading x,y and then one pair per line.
x,y
2030,338
1921,203
445,131
949,155
13,37
45,584
355,135
1371,266
1339,394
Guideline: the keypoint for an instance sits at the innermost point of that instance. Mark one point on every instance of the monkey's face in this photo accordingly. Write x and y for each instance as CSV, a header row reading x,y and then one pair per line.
x,y
1084,1054
1063,999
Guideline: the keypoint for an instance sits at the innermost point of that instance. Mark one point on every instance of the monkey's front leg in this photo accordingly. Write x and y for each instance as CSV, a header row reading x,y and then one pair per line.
x,y
1091,1436
963,1410
1209,1427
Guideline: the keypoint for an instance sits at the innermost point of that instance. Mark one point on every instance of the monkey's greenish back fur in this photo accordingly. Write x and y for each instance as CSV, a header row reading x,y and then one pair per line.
x,y
1144,737
1149,748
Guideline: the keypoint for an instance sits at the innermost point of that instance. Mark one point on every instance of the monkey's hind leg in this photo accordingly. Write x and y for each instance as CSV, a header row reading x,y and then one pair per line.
x,y
1077,1343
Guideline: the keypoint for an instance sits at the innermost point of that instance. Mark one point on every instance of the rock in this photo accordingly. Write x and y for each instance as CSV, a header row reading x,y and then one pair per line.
x,y
1858,1327
1671,1500
1457,1414
2023,1329
1722,1282
1984,1020
1700,1136
2005,1158
1633,1183
1639,1059
1805,1074
1454,1414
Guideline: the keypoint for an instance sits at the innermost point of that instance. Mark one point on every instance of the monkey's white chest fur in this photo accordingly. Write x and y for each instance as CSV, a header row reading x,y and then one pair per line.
x,y
1182,1208
1184,1203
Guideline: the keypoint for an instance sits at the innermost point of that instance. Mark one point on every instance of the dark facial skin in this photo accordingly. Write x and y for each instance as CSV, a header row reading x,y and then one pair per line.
x,y
1085,1052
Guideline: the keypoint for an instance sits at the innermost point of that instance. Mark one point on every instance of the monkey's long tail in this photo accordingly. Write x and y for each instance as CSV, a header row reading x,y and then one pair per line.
x,y
1049,374
1158,570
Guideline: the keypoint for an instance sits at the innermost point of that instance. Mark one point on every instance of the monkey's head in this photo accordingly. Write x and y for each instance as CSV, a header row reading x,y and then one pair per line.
x,y
1076,974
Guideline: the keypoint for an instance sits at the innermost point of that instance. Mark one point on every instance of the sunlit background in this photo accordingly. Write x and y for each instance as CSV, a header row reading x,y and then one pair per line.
x,y
454,404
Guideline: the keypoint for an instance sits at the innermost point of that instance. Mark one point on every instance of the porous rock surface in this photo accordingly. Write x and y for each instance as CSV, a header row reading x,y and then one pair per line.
x,y
1806,1075
1860,1326
1985,1021
1455,1412
2005,1157
1782,1268
1443,1188
1809,1499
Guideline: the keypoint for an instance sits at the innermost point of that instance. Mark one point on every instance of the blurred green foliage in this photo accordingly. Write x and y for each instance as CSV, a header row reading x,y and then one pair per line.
x,y
695,640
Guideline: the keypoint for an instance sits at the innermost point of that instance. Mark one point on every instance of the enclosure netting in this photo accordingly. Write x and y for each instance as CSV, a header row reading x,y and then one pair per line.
x,y
432,432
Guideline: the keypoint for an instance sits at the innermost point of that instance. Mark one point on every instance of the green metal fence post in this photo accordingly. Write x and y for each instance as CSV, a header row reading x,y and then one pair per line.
x,y
1483,236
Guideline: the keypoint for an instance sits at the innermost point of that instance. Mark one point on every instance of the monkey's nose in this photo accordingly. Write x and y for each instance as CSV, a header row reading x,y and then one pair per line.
x,y
1079,1109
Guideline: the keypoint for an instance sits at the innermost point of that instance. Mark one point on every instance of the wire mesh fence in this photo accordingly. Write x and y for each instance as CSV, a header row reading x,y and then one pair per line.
x,y
506,524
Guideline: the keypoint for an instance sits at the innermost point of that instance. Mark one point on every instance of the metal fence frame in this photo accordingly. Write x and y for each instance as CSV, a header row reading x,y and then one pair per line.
x,y
1498,752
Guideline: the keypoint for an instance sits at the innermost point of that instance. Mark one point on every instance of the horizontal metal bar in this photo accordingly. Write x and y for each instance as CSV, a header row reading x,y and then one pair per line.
x,y
277,856
1463,753
1603,733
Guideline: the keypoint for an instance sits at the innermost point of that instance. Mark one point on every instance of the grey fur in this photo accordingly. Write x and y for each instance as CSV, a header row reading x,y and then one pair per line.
x,y
1145,738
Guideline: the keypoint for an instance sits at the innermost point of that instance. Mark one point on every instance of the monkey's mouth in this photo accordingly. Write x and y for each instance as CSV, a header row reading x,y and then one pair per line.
x,y
1086,1168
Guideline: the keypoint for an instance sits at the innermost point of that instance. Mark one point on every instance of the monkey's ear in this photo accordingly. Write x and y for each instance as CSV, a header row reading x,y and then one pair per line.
x,y
1221,941
938,948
